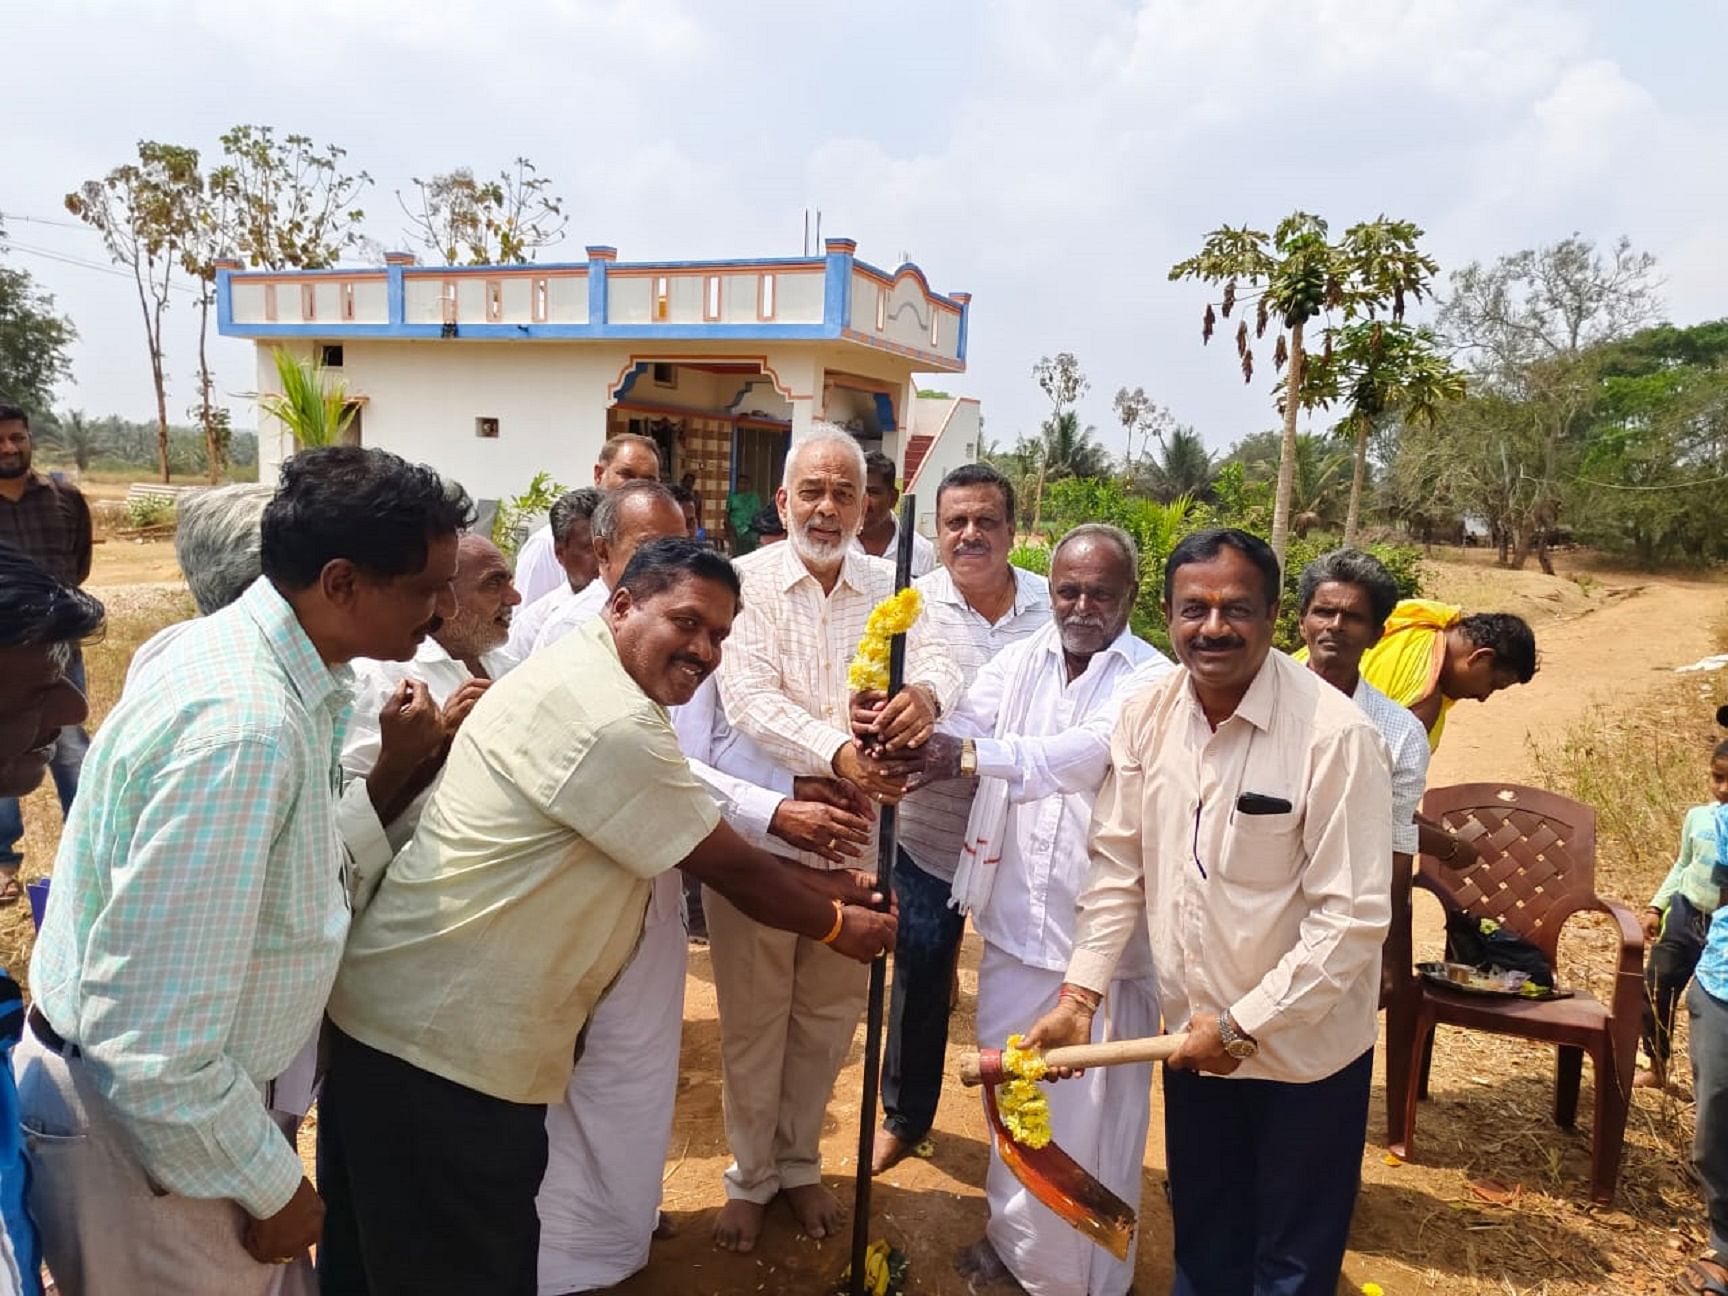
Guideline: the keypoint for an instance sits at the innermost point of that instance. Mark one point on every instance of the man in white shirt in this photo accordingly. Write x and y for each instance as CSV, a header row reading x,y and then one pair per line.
x,y
1034,729
571,529
456,663
787,1008
976,604
1247,820
879,534
624,519
625,457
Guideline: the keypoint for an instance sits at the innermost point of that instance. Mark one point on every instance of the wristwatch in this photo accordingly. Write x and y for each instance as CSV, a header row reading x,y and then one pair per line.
x,y
1236,1044
968,758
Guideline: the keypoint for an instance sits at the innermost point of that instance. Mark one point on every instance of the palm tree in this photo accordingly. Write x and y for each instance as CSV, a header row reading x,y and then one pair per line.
x,y
1378,367
73,433
1068,450
1182,466
313,410
1318,479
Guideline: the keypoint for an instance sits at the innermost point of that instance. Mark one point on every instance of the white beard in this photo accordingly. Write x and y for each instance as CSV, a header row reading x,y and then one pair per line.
x,y
814,551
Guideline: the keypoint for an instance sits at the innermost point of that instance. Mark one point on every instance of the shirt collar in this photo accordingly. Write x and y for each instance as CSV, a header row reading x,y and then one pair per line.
x,y
1031,590
431,652
315,682
1121,646
853,562
1260,702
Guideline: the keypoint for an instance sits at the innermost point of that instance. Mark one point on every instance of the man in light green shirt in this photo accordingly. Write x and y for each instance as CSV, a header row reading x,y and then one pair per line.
x,y
468,981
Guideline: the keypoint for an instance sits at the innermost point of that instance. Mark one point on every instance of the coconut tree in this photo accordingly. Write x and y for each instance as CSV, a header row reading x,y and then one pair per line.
x,y
1182,467
1378,367
1294,276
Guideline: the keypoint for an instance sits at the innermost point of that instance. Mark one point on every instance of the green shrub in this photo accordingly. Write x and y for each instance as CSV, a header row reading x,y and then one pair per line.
x,y
146,511
1157,528
509,526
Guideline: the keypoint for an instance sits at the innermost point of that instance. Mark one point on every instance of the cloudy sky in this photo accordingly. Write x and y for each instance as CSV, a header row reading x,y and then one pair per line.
x,y
1052,159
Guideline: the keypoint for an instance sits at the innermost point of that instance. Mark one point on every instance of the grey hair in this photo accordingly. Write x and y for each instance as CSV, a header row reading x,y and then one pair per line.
x,y
217,542
825,434
1101,531
608,514
571,508
1350,567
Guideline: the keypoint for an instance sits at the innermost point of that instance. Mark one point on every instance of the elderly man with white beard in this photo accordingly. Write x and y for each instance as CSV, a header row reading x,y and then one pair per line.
x,y
1034,731
456,663
787,1007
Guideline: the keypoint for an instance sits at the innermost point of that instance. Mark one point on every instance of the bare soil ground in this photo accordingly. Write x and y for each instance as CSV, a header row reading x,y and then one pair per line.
x,y
1609,642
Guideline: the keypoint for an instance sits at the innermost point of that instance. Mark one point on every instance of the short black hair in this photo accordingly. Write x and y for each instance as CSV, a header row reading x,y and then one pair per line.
x,y
1350,567
609,451
569,509
768,523
1510,638
10,413
877,462
682,493
660,564
35,608
1204,546
371,507
978,474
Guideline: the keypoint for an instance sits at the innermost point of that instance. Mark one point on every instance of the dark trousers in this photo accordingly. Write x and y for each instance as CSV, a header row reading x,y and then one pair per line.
x,y
924,953
64,766
1263,1180
428,1186
1707,1045
1667,969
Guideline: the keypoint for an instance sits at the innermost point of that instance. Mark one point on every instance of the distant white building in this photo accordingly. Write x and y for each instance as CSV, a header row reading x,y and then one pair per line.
x,y
494,373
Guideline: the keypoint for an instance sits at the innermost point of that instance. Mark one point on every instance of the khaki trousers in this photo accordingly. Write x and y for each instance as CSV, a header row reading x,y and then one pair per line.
x,y
789,1007
106,1230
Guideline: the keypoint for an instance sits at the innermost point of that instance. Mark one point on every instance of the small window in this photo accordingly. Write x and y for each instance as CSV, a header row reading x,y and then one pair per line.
x,y
331,357
881,309
935,326
765,298
487,428
308,302
542,301
662,298
711,297
447,302
347,301
665,375
270,301
494,301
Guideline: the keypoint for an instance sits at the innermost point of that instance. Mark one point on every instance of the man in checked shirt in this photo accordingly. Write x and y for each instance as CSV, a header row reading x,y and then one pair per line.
x,y
199,907
788,1007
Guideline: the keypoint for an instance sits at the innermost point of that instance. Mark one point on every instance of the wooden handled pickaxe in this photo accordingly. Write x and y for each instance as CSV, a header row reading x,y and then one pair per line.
x,y
1049,1173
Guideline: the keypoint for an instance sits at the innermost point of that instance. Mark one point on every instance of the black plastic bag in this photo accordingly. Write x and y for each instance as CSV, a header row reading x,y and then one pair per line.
x,y
1495,949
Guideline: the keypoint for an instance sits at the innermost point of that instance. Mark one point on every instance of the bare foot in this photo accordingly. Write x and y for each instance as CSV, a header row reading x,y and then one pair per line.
x,y
1648,1078
664,1227
980,1263
739,1225
889,1152
817,1210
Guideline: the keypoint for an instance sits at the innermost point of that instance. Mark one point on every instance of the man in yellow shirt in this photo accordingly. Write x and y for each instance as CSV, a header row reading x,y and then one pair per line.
x,y
469,979
1430,655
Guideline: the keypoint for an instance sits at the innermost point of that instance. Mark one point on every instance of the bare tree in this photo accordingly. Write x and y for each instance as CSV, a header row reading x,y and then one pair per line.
x,y
460,219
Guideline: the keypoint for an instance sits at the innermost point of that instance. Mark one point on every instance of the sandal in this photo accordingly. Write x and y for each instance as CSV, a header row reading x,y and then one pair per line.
x,y
1705,1276
11,889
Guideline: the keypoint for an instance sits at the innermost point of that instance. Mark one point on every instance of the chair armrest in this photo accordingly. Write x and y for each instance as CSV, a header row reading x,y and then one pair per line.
x,y
1629,988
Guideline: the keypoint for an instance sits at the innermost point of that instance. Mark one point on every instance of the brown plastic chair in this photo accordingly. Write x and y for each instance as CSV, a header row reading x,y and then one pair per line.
x,y
1538,869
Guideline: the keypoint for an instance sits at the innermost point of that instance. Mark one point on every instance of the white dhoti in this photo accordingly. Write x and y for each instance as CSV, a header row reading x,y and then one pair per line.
x,y
1099,1119
606,1142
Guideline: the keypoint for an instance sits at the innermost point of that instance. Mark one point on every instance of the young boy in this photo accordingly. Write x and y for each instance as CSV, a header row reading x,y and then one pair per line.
x,y
1675,925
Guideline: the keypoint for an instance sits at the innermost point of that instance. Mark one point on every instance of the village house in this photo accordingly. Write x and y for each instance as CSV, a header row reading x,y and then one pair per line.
x,y
494,373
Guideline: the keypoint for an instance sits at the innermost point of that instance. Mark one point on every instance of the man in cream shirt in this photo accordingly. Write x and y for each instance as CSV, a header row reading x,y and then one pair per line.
x,y
1247,819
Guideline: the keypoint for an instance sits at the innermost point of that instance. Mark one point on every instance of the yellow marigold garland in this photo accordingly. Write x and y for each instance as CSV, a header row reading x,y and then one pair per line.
x,y
893,615
1024,1109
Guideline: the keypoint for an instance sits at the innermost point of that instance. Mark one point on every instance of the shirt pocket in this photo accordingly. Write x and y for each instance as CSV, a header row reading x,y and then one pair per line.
x,y
1262,851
